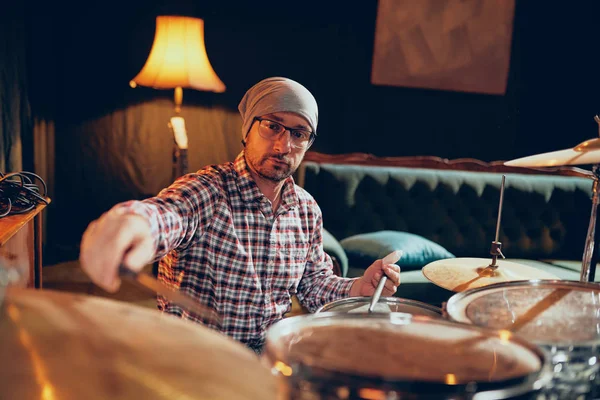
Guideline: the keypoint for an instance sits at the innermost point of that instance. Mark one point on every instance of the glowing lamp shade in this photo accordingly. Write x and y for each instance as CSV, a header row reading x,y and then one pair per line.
x,y
178,57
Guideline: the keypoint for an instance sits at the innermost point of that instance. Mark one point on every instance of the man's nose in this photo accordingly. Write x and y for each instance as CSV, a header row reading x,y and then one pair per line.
x,y
283,142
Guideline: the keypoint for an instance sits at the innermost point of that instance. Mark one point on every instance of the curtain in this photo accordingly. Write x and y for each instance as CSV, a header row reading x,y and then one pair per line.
x,y
15,115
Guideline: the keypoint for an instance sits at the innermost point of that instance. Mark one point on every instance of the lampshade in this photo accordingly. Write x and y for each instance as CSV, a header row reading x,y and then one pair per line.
x,y
178,57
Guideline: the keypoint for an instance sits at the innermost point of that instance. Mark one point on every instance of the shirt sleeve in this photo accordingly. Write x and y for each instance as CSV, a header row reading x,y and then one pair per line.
x,y
177,213
319,285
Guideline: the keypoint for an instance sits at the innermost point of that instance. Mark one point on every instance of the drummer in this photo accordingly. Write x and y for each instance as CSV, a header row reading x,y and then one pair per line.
x,y
239,237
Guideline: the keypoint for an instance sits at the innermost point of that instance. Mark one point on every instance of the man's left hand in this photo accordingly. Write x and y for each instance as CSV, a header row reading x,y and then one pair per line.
x,y
366,285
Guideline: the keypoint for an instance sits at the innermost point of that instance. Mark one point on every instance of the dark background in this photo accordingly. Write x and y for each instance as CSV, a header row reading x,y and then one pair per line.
x,y
81,57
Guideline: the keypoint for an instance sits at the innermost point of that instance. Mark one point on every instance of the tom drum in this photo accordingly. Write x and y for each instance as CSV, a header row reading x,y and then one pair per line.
x,y
399,356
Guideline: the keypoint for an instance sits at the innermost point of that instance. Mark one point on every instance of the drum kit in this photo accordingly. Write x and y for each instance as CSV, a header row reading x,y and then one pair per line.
x,y
509,331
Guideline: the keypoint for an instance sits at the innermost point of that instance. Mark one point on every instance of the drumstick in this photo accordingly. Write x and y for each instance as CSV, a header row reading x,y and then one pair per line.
x,y
391,258
172,295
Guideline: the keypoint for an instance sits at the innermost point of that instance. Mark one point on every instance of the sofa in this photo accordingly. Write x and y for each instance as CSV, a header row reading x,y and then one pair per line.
x,y
434,208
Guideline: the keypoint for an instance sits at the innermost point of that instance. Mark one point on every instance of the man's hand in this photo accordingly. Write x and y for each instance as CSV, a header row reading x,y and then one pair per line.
x,y
366,285
113,239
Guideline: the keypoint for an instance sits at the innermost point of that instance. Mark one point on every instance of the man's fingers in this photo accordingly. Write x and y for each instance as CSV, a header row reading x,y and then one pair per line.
x,y
390,287
137,257
393,273
107,242
376,278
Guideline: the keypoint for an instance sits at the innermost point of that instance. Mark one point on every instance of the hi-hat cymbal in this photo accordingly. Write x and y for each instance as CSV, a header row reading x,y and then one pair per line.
x,y
460,274
66,346
587,152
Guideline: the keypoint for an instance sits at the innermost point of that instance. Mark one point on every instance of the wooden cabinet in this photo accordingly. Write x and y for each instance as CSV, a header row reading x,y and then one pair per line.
x,y
21,245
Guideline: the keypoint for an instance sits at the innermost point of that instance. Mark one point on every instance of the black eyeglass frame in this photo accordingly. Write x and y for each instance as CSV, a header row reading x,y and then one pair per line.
x,y
311,139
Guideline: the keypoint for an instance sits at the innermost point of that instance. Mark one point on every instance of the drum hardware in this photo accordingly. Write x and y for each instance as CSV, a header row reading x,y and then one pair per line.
x,y
460,274
496,248
391,258
587,152
174,296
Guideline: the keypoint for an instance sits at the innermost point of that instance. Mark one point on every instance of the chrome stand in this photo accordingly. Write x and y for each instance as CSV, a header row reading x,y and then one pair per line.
x,y
496,249
588,268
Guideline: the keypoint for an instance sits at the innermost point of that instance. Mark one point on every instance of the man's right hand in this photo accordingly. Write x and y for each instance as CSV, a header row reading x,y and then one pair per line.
x,y
113,239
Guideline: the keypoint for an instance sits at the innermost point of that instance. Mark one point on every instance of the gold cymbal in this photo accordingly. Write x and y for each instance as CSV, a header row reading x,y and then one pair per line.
x,y
587,152
460,274
62,346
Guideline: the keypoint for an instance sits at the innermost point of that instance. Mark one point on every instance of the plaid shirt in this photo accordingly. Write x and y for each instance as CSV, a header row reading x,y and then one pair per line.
x,y
220,241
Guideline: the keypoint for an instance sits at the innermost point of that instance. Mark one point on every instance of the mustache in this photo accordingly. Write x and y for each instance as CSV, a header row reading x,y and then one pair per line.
x,y
280,157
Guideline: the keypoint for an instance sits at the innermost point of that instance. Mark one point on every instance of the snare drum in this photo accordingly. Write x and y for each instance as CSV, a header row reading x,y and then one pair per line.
x,y
385,305
398,356
563,317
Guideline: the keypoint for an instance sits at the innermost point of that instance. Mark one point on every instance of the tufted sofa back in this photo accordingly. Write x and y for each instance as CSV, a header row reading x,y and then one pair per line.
x,y
544,216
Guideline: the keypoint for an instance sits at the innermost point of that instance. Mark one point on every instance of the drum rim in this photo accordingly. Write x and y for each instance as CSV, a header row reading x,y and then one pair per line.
x,y
513,386
457,301
366,299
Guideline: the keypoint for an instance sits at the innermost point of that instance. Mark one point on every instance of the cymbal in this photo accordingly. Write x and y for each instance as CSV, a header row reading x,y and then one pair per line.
x,y
460,274
587,152
67,346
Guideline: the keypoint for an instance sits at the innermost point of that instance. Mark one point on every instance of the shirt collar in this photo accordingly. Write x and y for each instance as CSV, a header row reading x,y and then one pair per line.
x,y
250,192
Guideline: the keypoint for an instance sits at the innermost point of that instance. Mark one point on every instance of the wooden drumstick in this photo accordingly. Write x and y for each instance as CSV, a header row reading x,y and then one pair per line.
x,y
391,258
172,295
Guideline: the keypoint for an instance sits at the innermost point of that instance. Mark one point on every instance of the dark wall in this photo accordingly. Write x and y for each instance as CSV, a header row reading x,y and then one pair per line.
x,y
551,98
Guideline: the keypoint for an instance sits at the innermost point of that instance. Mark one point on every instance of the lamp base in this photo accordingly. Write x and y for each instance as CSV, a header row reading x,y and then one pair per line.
x,y
180,162
180,143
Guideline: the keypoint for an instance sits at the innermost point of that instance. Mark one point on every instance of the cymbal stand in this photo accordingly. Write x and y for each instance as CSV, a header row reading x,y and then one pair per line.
x,y
496,249
588,266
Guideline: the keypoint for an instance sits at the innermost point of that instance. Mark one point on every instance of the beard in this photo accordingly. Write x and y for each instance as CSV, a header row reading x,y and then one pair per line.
x,y
273,167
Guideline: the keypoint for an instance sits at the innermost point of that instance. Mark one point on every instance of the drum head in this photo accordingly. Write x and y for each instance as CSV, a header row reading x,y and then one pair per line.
x,y
399,352
543,312
65,346
385,305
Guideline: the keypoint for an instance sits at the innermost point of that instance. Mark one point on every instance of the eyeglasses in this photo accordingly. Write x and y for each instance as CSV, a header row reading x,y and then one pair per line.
x,y
269,129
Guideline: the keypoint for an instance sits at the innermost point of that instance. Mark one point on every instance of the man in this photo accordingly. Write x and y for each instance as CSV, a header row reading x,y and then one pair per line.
x,y
239,237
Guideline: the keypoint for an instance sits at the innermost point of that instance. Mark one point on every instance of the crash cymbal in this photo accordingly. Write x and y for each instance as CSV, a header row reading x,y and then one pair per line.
x,y
64,346
587,152
460,274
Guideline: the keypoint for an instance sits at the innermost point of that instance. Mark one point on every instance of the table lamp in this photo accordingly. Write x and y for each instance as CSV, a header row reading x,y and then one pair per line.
x,y
178,60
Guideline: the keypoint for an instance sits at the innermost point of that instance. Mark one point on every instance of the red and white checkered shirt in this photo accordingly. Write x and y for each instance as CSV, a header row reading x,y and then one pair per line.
x,y
220,242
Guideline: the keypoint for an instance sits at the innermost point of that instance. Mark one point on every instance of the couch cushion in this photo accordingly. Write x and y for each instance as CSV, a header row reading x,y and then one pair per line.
x,y
365,248
332,247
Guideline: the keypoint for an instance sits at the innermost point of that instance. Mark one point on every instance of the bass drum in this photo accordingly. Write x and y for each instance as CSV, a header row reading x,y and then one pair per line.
x,y
399,356
385,305
562,317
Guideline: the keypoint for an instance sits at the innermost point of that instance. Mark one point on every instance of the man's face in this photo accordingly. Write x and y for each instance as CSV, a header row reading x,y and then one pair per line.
x,y
275,159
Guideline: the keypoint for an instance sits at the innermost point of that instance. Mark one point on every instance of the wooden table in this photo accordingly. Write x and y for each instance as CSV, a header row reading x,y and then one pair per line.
x,y
21,244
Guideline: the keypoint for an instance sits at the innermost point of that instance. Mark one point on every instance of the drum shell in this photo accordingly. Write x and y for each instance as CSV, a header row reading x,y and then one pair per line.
x,y
396,304
538,302
301,381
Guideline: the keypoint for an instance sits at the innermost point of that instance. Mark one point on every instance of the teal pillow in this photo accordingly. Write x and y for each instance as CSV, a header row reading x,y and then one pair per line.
x,y
362,250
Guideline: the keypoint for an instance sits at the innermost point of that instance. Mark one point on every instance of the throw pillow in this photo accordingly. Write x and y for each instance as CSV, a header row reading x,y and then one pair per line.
x,y
363,249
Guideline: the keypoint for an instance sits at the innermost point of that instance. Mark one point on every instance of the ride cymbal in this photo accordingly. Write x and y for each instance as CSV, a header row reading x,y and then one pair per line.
x,y
587,152
460,274
67,346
